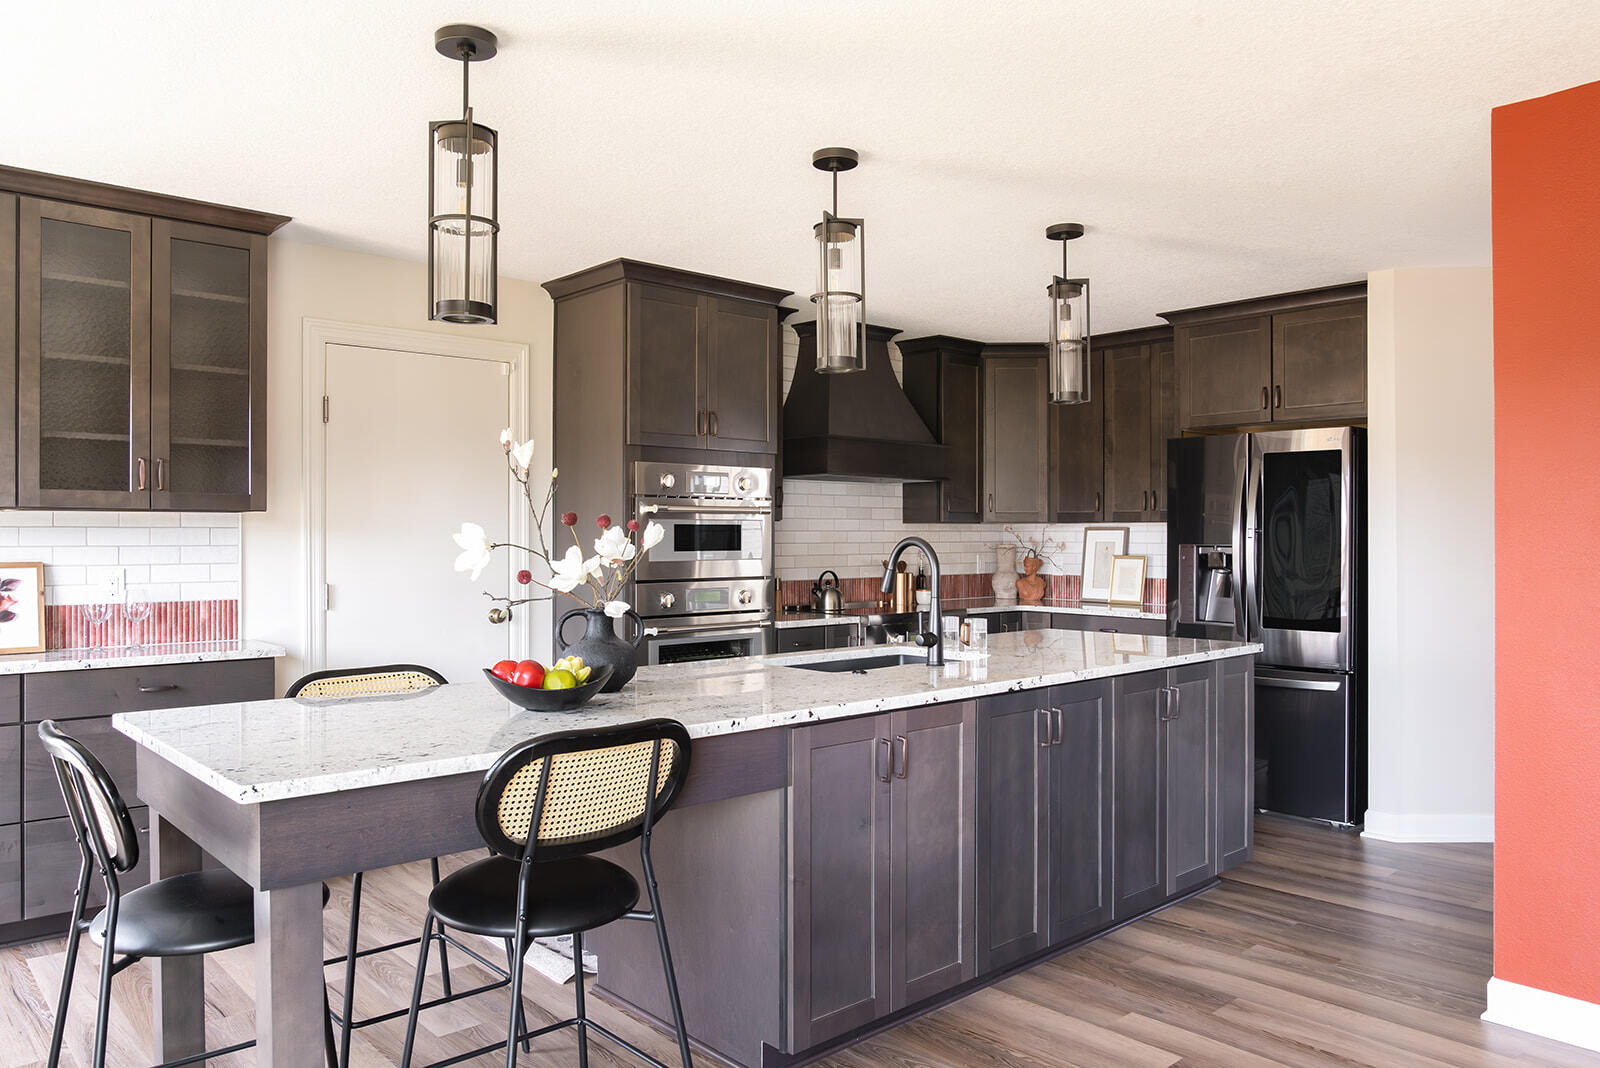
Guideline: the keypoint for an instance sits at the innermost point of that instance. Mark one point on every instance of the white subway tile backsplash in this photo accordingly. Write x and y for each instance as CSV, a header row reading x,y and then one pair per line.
x,y
181,536
149,554
91,554
58,536
27,519
119,535
209,554
83,519
161,552
180,572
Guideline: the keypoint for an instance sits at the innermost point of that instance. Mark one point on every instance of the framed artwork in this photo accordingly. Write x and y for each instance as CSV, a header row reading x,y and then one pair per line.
x,y
1127,581
21,608
1101,545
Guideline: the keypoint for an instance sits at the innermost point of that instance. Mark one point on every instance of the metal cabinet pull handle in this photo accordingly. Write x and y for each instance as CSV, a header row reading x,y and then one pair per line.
x,y
1177,702
699,422
1277,396
1155,501
161,474
1263,398
1044,739
1060,728
885,749
991,504
1144,501
141,472
1164,703
713,424
164,688
905,756
1097,500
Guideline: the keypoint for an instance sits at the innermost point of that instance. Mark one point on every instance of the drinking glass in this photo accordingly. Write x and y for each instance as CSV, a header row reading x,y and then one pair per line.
x,y
98,615
975,636
136,609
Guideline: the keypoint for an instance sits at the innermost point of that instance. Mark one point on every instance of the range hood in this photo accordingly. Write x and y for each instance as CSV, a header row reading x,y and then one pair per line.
x,y
857,427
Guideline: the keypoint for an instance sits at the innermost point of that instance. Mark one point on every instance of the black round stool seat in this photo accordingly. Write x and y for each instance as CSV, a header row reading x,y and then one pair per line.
x,y
564,896
200,912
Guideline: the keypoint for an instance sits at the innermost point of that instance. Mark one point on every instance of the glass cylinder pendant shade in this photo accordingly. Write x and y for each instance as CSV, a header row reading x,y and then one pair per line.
x,y
840,296
1069,341
463,226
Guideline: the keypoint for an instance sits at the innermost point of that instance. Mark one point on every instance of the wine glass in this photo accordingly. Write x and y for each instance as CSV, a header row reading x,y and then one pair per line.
x,y
136,609
98,615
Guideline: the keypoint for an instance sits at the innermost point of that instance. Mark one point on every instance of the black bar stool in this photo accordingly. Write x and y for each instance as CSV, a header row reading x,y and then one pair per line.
x,y
389,679
181,916
545,806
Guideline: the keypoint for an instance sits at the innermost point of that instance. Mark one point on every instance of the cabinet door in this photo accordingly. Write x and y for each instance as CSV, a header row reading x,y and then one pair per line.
x,y
741,374
961,422
1001,622
1235,761
1013,823
839,878
666,396
208,368
801,639
1319,364
1016,443
1130,402
1165,419
1077,453
8,363
1080,815
83,357
11,873
932,873
50,862
1138,847
844,636
41,794
10,788
1224,372
1188,743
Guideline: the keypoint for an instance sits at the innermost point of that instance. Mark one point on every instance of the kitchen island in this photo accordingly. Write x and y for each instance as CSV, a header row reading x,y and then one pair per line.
x,y
850,848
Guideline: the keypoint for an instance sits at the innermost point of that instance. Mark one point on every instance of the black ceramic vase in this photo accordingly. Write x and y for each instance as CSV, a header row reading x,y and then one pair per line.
x,y
600,645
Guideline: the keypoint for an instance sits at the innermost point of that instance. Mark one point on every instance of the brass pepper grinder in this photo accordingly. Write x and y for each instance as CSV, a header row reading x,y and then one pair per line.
x,y
905,595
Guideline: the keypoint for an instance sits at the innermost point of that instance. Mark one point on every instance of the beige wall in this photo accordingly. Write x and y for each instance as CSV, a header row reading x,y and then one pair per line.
x,y
312,281
1430,388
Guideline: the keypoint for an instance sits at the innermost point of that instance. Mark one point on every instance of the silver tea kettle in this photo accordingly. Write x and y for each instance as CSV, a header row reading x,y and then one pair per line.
x,y
826,596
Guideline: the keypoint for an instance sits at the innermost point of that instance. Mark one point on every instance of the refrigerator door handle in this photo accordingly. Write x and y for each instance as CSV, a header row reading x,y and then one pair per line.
x,y
1277,682
1249,592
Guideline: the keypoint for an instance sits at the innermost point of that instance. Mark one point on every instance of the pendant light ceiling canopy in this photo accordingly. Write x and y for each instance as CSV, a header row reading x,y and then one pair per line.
x,y
841,276
463,196
1069,326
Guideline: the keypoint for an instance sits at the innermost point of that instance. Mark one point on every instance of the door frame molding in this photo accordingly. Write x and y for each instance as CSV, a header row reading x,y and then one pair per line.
x,y
316,336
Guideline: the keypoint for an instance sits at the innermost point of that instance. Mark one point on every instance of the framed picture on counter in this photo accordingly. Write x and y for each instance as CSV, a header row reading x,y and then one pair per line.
x,y
1127,581
21,608
1101,545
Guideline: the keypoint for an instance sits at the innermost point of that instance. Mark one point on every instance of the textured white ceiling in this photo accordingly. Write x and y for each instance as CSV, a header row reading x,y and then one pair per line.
x,y
1215,150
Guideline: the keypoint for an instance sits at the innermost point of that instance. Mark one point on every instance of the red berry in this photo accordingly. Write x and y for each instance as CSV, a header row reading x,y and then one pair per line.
x,y
603,522
569,519
633,526
524,577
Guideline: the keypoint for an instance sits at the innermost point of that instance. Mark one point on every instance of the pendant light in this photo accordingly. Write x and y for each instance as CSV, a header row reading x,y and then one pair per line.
x,y
841,277
1069,326
463,197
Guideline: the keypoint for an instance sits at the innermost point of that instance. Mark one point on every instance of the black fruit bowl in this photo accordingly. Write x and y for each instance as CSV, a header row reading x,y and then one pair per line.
x,y
535,699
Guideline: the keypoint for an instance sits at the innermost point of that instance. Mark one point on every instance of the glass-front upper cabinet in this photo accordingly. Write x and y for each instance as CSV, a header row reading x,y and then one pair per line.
x,y
208,368
83,357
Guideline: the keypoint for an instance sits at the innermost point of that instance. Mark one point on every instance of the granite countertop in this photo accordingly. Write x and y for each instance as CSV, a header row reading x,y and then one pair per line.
x,y
817,619
973,606
142,656
270,750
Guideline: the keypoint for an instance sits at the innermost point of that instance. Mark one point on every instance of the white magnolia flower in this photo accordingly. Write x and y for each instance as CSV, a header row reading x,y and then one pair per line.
x,y
522,453
475,548
616,609
653,533
614,546
572,570
506,439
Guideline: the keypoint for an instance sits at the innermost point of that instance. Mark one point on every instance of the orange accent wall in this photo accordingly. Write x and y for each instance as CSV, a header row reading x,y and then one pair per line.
x,y
1546,165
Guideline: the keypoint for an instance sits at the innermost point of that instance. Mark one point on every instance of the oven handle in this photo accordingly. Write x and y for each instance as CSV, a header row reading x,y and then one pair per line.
x,y
722,630
739,508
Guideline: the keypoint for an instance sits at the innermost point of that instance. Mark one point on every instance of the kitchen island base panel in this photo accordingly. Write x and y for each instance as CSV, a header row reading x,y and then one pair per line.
x,y
178,1017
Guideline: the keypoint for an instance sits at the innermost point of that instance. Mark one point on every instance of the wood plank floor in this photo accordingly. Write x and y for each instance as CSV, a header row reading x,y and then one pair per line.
x,y
1326,949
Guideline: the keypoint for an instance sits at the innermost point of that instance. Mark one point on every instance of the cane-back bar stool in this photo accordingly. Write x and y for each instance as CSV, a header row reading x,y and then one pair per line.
x,y
180,916
381,681
544,808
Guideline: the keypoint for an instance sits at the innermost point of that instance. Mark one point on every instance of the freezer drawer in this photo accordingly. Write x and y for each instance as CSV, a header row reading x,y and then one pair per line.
x,y
1307,732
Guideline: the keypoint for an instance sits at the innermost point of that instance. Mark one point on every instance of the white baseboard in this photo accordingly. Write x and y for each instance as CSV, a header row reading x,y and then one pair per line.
x,y
1540,1012
1429,826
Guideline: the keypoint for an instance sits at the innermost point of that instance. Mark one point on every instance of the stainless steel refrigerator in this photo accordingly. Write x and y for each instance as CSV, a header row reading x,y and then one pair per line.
x,y
1266,543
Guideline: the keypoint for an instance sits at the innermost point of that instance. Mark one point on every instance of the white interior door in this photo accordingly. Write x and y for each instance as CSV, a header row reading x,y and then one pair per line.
x,y
413,451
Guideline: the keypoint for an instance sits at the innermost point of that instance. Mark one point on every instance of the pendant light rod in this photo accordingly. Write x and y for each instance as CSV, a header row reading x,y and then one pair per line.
x,y
1070,369
463,194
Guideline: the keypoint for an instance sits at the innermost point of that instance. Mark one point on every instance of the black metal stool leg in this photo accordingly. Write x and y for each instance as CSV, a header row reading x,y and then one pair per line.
x,y
583,1018
522,1019
519,946
102,1023
350,968
416,991
330,1051
666,964
74,934
444,959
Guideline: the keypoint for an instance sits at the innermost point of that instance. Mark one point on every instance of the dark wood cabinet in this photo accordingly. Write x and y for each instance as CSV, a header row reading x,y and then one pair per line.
x,y
41,796
944,381
665,330
1080,810
10,786
1293,358
822,636
1130,432
1014,828
1138,845
50,863
1235,762
10,873
1077,451
1015,434
741,375
139,335
1188,732
881,865
1165,414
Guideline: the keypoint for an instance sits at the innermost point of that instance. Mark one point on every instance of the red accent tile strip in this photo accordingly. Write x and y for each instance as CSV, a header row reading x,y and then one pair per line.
x,y
1058,588
67,626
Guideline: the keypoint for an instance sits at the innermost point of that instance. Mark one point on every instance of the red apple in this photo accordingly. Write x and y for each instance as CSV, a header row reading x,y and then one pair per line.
x,y
529,673
504,669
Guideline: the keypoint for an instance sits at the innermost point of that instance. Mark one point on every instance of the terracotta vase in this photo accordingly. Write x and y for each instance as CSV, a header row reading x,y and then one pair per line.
x,y
1004,580
1030,587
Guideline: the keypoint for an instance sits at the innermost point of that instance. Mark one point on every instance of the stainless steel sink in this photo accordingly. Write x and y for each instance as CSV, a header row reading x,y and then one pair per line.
x,y
866,663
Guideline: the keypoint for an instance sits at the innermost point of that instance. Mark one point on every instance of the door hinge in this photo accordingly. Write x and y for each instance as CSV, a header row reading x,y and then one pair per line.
x,y
327,597
324,407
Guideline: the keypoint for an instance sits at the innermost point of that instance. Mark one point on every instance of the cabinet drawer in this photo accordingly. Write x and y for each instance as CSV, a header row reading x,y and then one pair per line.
x,y
802,639
10,789
104,691
10,698
50,855
10,874
41,796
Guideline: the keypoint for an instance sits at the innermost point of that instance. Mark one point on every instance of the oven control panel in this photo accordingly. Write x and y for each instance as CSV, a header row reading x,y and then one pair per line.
x,y
707,482
704,597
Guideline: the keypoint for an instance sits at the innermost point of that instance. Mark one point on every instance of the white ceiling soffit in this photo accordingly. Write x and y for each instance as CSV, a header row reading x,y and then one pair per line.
x,y
1215,150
